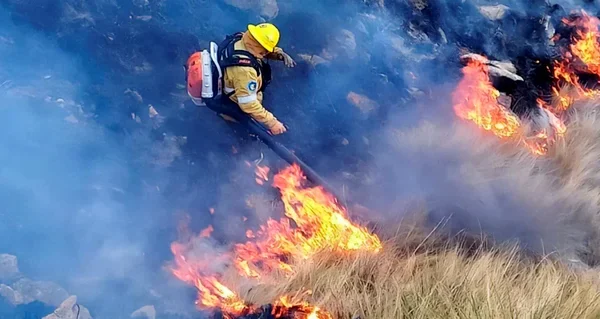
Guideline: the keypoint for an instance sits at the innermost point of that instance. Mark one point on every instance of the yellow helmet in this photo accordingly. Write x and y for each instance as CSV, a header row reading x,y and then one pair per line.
x,y
266,34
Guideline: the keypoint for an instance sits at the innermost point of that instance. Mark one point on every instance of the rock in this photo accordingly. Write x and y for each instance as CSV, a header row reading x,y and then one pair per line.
x,y
419,5
146,312
363,103
494,13
135,95
12,296
341,44
549,28
313,60
496,72
43,291
496,68
152,111
9,268
268,9
70,309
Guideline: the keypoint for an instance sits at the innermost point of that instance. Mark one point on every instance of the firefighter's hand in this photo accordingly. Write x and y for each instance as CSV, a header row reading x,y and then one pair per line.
x,y
286,58
278,128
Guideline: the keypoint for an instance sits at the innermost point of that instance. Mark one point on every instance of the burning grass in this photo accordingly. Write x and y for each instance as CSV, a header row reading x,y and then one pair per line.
x,y
548,204
441,282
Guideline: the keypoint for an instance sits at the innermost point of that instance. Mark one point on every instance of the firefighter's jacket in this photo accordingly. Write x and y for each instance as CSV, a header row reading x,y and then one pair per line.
x,y
246,85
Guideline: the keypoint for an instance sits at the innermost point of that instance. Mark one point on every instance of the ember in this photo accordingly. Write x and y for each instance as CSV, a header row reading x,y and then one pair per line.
x,y
319,222
283,309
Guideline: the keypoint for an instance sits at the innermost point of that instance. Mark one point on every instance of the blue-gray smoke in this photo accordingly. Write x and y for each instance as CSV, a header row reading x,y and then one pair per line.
x,y
93,186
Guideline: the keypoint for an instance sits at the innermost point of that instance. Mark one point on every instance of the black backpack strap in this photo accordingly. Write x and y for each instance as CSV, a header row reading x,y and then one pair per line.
x,y
229,57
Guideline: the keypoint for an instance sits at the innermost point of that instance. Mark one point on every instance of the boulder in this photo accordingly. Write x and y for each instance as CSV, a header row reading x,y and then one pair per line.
x,y
43,291
146,312
497,12
313,60
496,69
268,9
9,268
342,44
10,295
70,309
363,103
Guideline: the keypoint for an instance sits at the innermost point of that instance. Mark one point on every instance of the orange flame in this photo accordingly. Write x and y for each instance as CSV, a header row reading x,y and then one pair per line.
x,y
196,271
475,100
319,222
586,46
584,53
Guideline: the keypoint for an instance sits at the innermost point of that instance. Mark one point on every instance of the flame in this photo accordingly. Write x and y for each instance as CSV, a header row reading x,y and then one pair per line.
x,y
302,310
584,52
313,221
586,46
538,144
475,99
196,271
319,222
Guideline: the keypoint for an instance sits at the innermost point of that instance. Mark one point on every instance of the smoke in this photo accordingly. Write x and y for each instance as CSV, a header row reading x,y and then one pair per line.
x,y
93,183
82,199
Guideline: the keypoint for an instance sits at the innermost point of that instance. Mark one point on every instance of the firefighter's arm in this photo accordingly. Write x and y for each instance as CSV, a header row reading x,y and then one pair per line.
x,y
246,93
279,54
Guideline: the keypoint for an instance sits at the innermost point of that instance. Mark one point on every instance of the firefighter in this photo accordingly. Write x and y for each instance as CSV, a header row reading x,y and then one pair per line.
x,y
247,73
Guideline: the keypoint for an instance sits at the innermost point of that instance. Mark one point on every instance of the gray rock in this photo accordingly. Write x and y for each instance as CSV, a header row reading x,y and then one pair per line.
x,y
43,291
313,60
146,312
268,9
12,296
9,268
341,44
70,309
496,68
361,102
494,13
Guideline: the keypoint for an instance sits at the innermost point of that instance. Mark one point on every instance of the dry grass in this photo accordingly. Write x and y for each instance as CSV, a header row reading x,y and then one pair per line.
x,y
473,184
550,205
441,282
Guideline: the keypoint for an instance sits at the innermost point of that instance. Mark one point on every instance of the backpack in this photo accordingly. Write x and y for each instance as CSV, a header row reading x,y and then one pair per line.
x,y
205,70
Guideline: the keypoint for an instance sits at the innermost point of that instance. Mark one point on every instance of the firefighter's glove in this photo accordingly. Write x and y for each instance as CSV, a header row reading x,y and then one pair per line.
x,y
278,128
286,58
